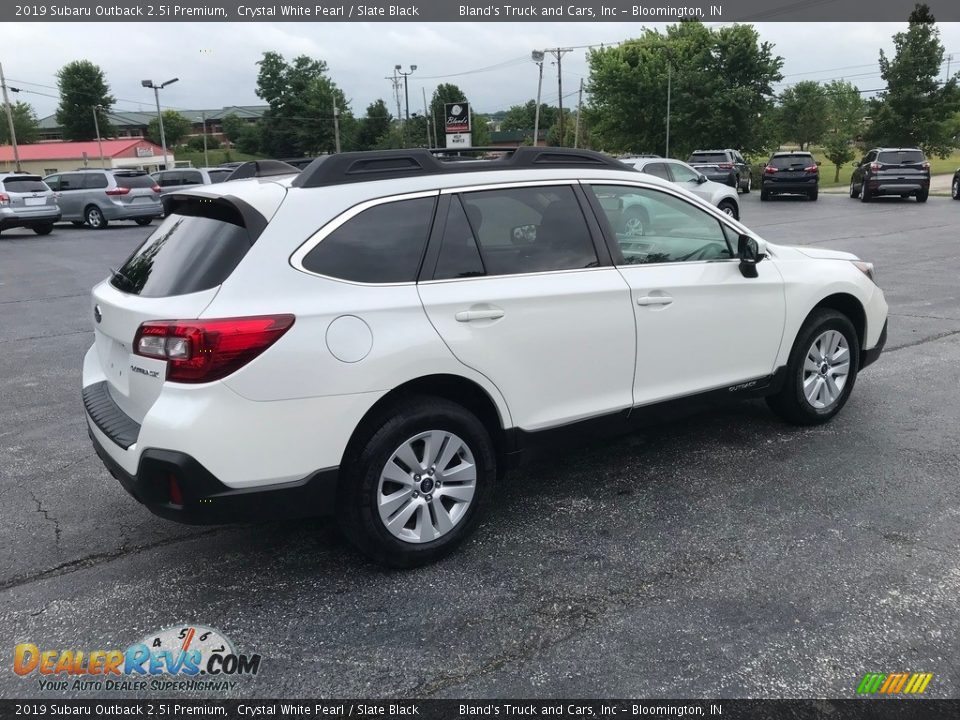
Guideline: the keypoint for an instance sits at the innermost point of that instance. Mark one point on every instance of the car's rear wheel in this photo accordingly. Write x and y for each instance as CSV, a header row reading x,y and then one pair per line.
x,y
922,196
814,194
764,195
748,186
865,195
635,221
729,207
143,221
821,371
414,483
94,218
43,229
955,189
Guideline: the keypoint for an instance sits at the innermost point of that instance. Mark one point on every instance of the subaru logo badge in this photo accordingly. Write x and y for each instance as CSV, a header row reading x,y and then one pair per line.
x,y
97,315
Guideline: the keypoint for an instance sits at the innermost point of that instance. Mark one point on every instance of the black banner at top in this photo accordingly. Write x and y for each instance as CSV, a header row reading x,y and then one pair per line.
x,y
584,11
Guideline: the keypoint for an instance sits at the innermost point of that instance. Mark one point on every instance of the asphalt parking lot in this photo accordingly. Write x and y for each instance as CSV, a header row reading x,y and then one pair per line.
x,y
725,555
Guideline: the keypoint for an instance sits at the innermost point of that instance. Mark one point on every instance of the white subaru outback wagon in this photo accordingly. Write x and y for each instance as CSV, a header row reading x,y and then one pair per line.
x,y
381,336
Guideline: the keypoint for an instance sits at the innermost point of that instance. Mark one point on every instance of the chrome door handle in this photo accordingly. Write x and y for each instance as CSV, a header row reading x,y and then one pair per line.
x,y
468,315
654,300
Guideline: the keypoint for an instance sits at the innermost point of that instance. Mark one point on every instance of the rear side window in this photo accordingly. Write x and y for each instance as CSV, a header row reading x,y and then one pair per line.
x,y
898,157
134,181
94,181
781,162
71,181
24,185
657,169
218,176
192,177
382,244
185,254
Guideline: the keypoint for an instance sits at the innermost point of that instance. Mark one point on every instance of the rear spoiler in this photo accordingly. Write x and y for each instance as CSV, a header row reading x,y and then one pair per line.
x,y
226,208
262,168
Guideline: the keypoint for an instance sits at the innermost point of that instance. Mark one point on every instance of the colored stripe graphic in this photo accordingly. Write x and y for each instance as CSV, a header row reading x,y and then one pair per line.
x,y
894,683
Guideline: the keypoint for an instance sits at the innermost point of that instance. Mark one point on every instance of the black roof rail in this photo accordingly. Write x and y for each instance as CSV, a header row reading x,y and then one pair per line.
x,y
262,168
351,167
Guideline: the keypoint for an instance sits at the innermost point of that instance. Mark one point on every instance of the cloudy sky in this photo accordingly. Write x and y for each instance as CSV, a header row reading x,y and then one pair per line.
x,y
216,62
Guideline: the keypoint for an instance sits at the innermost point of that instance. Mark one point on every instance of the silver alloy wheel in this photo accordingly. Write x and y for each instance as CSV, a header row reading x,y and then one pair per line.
x,y
633,224
94,217
727,209
427,486
749,183
825,369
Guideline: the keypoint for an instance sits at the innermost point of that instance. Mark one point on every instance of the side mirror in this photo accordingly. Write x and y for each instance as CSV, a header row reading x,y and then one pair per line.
x,y
818,163
524,234
701,178
748,250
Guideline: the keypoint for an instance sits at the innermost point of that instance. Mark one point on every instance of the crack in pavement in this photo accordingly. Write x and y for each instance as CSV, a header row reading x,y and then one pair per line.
x,y
44,337
98,559
47,516
52,297
941,336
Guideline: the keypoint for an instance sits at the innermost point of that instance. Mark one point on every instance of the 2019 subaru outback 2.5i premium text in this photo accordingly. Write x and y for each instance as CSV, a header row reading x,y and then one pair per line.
x,y
382,335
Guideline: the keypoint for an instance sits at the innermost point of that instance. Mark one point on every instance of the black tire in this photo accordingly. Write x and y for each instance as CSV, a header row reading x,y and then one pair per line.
x,y
729,207
922,196
764,195
93,216
814,194
734,181
955,188
748,185
854,193
368,454
77,223
791,403
143,221
43,229
865,195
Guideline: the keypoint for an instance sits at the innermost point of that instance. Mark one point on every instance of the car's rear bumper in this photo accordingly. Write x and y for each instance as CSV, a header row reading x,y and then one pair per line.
x,y
15,220
176,486
790,186
898,187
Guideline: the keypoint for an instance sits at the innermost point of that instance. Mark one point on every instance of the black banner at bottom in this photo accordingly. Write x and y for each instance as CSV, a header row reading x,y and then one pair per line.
x,y
893,709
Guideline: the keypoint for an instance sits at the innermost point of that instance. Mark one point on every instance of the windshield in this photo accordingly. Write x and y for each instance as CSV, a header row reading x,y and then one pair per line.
x,y
899,157
791,161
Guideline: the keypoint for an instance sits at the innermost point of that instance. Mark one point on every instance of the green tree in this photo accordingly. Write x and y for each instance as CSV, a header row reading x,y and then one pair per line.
x,y
845,112
915,109
25,125
523,117
721,86
82,87
175,128
301,97
803,112
372,128
479,130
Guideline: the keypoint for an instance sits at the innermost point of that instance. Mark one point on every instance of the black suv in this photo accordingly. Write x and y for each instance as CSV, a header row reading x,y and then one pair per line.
x,y
891,171
790,172
723,166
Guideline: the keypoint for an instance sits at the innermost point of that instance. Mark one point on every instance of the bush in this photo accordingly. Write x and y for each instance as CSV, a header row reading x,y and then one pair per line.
x,y
196,143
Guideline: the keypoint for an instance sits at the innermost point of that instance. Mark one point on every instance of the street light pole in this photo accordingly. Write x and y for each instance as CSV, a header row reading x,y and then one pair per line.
x,y
96,127
406,93
156,93
537,56
669,88
206,160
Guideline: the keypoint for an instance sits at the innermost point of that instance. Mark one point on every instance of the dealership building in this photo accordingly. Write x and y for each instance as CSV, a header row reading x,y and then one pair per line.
x,y
49,157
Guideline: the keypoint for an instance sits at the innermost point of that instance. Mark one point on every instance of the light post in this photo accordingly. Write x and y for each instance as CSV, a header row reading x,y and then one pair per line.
x,y
156,93
406,93
96,127
203,119
537,56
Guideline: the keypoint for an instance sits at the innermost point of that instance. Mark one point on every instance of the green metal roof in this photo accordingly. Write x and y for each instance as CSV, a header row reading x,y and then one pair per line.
x,y
142,119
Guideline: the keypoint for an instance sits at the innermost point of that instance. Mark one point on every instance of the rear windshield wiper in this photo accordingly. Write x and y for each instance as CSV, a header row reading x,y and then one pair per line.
x,y
117,274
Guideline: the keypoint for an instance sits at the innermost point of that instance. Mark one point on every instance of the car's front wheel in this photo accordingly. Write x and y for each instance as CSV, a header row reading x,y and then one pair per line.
x,y
821,371
729,207
414,483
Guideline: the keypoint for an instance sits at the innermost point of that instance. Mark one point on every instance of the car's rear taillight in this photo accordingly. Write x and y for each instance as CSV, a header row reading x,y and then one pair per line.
x,y
926,166
874,166
118,191
770,170
156,188
199,351
810,168
4,199
725,166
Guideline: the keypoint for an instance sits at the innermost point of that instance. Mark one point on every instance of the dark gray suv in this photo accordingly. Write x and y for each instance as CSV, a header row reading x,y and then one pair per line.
x,y
26,201
96,197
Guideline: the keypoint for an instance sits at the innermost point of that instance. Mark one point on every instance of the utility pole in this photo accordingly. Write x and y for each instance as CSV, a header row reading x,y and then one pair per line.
x,y
336,127
949,59
156,93
558,53
576,132
537,56
406,89
96,127
13,132
206,158
426,115
669,88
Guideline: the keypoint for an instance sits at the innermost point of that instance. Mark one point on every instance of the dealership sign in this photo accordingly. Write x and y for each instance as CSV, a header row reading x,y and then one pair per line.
x,y
457,118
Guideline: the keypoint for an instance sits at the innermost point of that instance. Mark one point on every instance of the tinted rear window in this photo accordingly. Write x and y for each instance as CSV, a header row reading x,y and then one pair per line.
x,y
134,181
786,161
218,176
185,254
708,158
896,157
24,185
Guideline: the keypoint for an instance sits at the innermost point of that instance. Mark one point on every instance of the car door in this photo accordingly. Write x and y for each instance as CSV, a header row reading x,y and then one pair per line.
x,y
701,325
689,179
521,289
71,196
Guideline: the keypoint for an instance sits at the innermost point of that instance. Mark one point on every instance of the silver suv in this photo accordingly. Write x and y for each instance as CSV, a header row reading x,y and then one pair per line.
x,y
26,201
189,177
96,197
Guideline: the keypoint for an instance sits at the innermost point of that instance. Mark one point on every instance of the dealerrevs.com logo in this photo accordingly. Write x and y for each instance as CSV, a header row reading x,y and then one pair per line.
x,y
181,657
